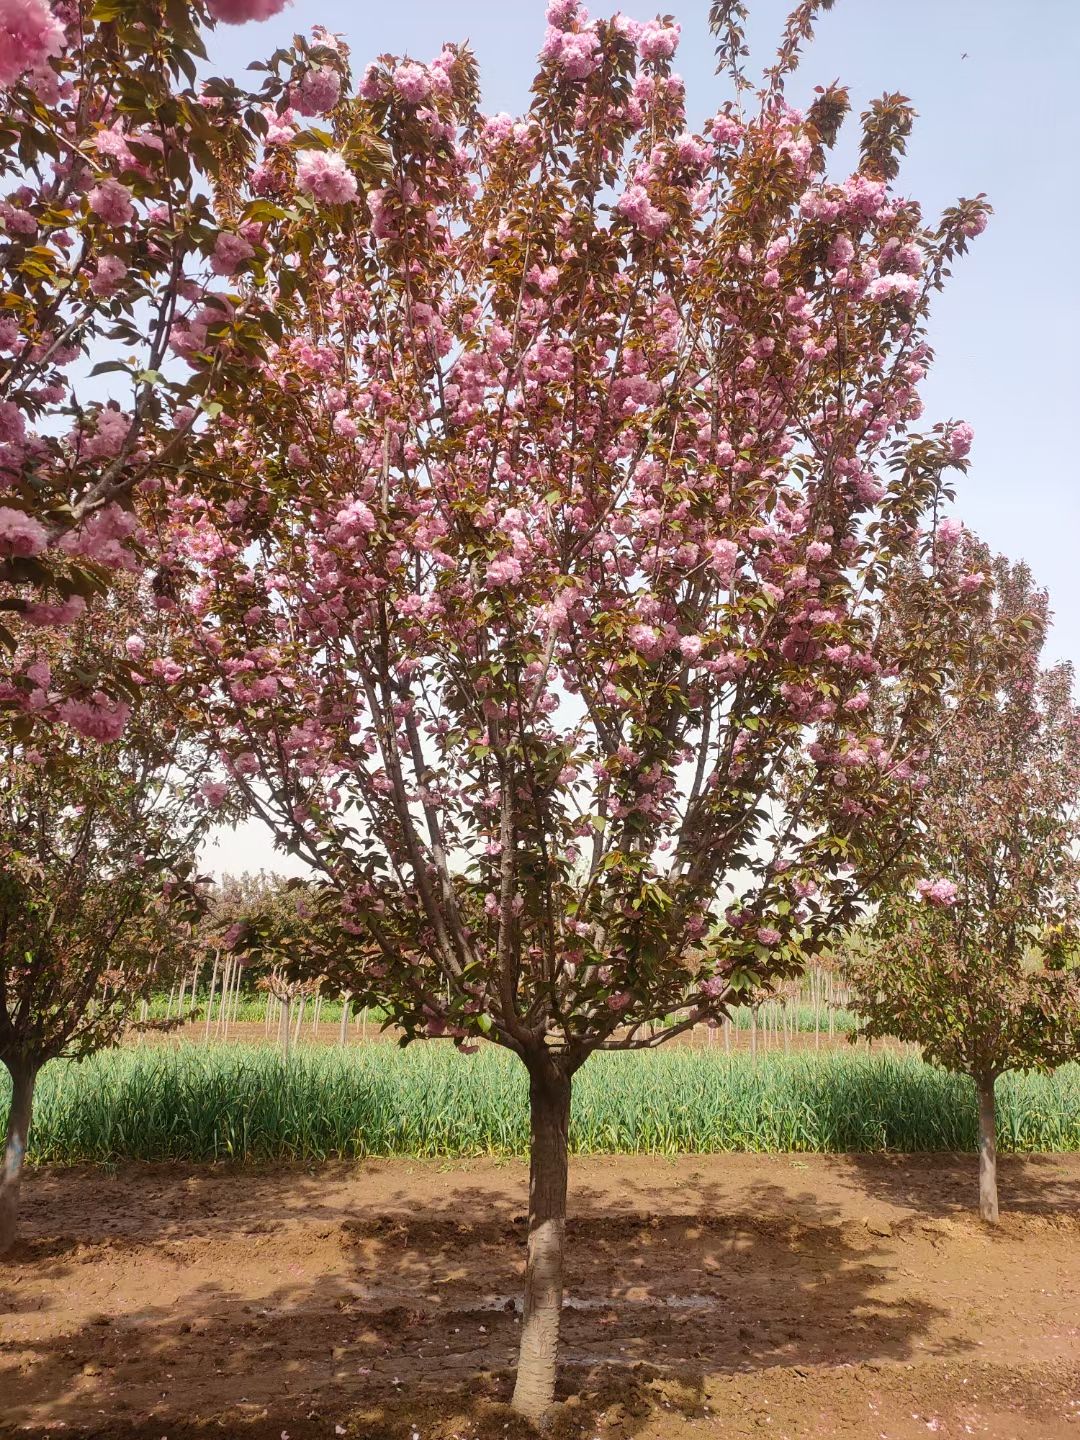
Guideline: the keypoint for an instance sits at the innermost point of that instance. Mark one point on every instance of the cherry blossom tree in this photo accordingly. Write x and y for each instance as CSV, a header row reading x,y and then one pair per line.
x,y
97,876
977,962
120,244
535,602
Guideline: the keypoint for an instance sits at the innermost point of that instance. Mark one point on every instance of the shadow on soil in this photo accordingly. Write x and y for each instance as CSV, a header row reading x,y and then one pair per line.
x,y
416,1315
1027,1184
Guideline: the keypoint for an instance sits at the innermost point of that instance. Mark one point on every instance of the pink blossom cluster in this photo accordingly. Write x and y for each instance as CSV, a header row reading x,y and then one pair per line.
x,y
104,537
960,438
645,217
571,43
110,272
20,533
319,90
112,201
30,36
325,176
230,252
941,893
239,12
97,718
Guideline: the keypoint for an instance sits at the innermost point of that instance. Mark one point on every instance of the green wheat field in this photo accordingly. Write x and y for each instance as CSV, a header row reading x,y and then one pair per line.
x,y
245,1103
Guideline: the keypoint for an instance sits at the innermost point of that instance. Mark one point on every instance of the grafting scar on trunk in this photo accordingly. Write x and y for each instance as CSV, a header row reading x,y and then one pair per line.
x,y
23,1076
549,1106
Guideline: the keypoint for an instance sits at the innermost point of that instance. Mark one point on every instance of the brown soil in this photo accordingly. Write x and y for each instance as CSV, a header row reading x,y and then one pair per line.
x,y
727,1296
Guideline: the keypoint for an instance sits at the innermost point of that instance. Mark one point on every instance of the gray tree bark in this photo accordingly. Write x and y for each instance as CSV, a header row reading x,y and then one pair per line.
x,y
988,1193
549,1107
23,1077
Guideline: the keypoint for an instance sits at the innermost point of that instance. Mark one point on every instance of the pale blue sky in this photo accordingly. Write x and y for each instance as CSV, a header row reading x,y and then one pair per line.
x,y
1005,120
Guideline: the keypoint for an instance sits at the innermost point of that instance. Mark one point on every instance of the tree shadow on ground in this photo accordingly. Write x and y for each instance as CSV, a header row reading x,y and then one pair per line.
x,y
413,1308
1027,1184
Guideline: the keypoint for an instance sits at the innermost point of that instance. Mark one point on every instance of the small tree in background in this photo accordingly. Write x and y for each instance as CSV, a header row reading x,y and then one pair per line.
x,y
532,596
978,964
97,854
286,931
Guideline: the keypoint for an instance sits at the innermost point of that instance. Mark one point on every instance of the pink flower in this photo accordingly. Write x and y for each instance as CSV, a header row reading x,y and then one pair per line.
x,y
949,532
970,583
900,287
318,91
213,792
768,936
960,438
506,570
109,275
642,213
975,225
12,424
239,12
574,52
112,201
412,82
841,252
135,646
108,439
657,41
101,538
230,251
941,893
356,517
55,612
498,128
324,175
619,1001
98,718
647,641
30,35
21,534
724,555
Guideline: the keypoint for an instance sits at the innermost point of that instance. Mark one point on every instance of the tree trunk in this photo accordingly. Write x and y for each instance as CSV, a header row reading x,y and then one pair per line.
x,y
210,1002
18,1131
549,1106
344,1036
988,1196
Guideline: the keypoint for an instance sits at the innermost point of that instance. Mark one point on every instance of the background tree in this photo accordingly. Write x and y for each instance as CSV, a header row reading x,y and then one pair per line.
x,y
118,235
285,933
978,963
97,875
535,599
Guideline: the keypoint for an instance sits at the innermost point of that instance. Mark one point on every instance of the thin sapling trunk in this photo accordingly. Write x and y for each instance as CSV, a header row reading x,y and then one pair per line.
x,y
988,1194
549,1109
23,1076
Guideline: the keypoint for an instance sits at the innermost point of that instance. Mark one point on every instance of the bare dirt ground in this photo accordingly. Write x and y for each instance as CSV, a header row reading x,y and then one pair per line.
x,y
713,1296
